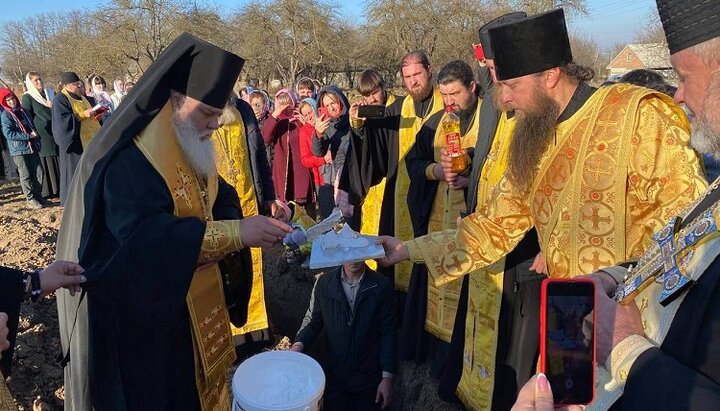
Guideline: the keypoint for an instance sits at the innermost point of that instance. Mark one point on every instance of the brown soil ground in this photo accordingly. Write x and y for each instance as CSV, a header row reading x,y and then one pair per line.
x,y
28,242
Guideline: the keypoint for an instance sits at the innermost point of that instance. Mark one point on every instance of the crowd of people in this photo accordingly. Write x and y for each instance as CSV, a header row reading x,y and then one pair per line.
x,y
39,142
563,177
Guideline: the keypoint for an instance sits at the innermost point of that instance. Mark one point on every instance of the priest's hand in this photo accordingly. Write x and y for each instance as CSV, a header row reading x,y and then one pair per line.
x,y
354,110
536,395
457,182
395,251
384,392
262,231
539,265
450,176
4,331
61,274
613,322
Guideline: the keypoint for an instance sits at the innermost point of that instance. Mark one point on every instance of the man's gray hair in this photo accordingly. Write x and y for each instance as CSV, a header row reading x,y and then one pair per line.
x,y
708,51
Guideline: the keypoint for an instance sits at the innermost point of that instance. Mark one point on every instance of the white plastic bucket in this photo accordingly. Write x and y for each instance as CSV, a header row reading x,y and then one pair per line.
x,y
278,381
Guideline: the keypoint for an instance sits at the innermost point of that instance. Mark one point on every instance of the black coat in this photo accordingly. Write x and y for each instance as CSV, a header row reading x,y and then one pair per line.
x,y
684,373
140,260
359,346
66,132
42,120
11,295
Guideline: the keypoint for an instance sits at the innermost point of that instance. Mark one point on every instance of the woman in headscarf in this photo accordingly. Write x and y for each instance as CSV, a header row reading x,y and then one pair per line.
x,y
245,93
260,103
332,132
308,112
118,92
37,103
282,129
101,96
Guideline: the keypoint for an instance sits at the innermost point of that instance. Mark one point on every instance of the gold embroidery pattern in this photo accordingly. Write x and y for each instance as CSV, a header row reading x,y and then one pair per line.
x,y
233,164
181,189
442,302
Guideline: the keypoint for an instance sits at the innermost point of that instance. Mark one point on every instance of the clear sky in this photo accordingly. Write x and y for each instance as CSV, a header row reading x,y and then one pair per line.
x,y
609,21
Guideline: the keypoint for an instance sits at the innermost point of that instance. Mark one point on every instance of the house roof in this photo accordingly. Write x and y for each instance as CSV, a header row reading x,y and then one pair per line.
x,y
653,56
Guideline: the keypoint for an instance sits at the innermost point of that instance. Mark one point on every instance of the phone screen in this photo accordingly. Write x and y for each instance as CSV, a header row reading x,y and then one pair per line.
x,y
570,341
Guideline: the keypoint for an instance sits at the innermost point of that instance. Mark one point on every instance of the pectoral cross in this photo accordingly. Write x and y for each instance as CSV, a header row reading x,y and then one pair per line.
x,y
661,263
674,283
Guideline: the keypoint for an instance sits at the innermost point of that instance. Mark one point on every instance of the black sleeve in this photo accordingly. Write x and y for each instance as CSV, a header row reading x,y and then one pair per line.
x,y
388,333
310,332
65,126
687,389
11,295
139,251
227,203
374,159
484,81
422,154
262,173
319,146
421,192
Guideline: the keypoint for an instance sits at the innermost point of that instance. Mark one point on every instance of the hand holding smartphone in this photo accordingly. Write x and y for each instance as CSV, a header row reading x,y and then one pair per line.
x,y
567,339
371,111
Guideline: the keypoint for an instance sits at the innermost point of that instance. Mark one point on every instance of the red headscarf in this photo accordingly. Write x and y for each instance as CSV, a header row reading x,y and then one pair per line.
x,y
4,93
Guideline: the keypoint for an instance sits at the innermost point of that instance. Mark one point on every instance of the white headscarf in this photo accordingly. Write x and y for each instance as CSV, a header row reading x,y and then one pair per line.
x,y
101,96
35,94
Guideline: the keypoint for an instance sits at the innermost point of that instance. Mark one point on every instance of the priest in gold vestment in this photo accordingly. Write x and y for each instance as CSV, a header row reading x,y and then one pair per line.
x,y
595,171
151,219
435,203
242,162
378,154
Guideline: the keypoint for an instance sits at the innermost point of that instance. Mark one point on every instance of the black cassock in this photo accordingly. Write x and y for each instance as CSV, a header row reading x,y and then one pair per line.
x,y
140,260
66,132
684,372
372,156
12,292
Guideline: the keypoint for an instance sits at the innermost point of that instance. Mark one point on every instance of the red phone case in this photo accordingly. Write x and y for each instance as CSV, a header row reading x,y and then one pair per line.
x,y
479,52
323,112
543,326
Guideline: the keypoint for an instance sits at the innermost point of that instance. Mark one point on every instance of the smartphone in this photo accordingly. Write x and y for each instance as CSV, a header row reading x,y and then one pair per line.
x,y
371,111
323,112
479,53
567,339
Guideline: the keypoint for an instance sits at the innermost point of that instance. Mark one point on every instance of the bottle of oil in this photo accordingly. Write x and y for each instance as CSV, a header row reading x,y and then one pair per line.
x,y
450,124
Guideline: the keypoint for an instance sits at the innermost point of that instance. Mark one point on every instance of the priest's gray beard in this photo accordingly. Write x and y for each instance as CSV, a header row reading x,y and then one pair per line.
x,y
534,132
705,136
200,154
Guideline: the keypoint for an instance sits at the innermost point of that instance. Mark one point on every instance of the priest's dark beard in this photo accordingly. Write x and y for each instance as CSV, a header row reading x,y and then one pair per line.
x,y
422,94
200,154
533,133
